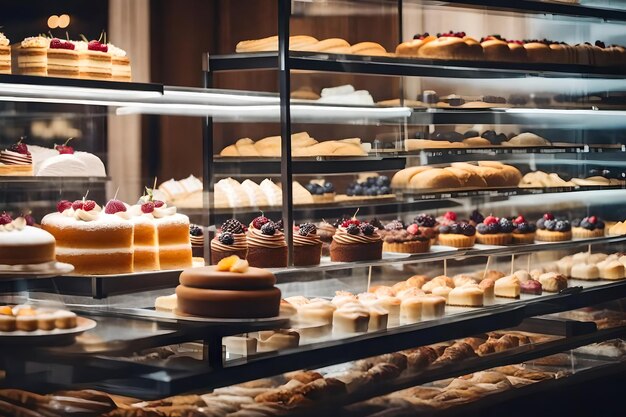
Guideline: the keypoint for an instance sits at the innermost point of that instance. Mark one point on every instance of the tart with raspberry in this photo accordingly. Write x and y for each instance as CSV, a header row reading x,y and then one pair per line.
x,y
428,226
356,241
231,240
267,247
524,231
307,245
457,235
588,227
397,238
494,231
552,229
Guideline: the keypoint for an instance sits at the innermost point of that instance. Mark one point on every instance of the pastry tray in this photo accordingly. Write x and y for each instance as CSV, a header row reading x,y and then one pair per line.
x,y
42,337
46,270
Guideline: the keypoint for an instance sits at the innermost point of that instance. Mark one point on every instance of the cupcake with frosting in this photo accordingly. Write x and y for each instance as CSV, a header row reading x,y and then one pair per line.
x,y
307,245
266,244
428,226
231,240
356,241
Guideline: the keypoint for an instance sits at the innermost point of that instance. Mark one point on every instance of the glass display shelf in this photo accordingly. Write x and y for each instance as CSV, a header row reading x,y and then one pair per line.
x,y
7,180
395,66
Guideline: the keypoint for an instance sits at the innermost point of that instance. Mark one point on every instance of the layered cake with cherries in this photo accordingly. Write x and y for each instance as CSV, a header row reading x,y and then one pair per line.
x,y
5,54
120,64
91,240
95,61
62,59
267,247
16,160
356,241
145,237
230,289
307,245
231,240
21,244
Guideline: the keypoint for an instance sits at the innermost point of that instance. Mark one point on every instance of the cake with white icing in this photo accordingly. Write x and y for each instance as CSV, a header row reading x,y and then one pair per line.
x,y
24,245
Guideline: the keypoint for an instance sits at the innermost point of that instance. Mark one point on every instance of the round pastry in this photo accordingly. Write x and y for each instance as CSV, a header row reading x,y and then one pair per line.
x,y
410,240
22,245
522,275
553,282
588,227
411,48
564,266
531,287
588,272
266,244
494,231
489,274
468,179
229,290
551,229
477,142
523,232
356,241
230,241
458,235
434,178
417,281
451,46
496,49
466,296
307,245
440,281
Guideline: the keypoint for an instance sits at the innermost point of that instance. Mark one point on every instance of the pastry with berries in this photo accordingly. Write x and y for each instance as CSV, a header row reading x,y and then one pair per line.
x,y
62,59
457,235
322,191
476,218
397,238
495,231
16,160
267,247
452,45
307,245
94,241
428,226
524,231
230,240
553,229
588,227
356,241
448,218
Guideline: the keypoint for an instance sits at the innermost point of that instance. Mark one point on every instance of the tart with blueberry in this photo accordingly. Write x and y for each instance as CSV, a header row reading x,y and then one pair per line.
x,y
397,238
307,245
457,235
524,231
266,244
356,241
552,229
588,227
428,226
495,231
231,240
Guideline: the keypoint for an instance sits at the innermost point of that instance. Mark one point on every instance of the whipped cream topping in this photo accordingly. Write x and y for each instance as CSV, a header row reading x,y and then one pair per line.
x,y
158,213
4,41
115,51
241,243
343,237
13,158
308,240
353,310
259,240
15,226
35,42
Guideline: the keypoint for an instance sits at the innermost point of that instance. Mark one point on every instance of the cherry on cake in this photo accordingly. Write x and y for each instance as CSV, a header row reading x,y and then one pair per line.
x,y
62,59
94,242
21,244
95,61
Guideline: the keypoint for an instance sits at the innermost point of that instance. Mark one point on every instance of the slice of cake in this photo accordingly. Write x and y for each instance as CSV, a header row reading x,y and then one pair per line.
x,y
95,61
145,236
16,160
30,57
96,243
5,55
62,59
120,64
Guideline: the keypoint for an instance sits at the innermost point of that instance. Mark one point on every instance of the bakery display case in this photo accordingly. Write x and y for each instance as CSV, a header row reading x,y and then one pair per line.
x,y
428,226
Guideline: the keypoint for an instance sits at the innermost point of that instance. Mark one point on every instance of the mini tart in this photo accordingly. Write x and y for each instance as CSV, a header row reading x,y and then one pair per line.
x,y
414,246
544,235
494,238
523,238
582,233
456,240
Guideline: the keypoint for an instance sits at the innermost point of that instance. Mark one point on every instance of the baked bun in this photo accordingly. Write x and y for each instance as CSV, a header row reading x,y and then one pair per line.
x,y
468,178
403,177
434,178
496,50
477,141
296,43
411,47
584,271
368,48
331,45
538,52
518,52
612,270
449,47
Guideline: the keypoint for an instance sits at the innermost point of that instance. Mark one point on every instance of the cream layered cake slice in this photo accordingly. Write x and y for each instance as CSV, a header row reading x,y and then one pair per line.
x,y
95,61
95,242
5,55
145,236
120,64
30,57
16,160
62,59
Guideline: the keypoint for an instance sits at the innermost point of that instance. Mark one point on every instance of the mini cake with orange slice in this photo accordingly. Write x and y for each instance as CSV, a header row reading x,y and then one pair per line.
x,y
267,247
230,289
16,160
93,241
524,231
551,229
588,227
494,231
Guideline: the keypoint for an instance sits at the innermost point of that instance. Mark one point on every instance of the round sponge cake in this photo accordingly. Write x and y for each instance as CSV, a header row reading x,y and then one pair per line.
x,y
23,245
208,292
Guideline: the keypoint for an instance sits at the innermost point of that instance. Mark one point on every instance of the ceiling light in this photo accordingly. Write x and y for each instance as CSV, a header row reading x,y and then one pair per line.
x,y
53,21
64,21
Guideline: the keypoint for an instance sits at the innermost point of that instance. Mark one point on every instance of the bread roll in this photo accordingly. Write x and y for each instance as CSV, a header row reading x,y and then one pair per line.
x,y
468,178
403,177
332,45
296,43
434,178
411,47
368,48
